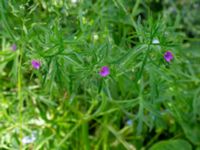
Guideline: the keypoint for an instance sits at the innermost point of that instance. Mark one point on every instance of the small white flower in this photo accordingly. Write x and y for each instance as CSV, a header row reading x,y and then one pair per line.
x,y
74,1
155,41
29,139
129,122
38,122
49,116
95,36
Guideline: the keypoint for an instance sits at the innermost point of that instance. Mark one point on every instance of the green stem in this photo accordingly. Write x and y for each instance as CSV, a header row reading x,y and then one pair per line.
x,y
105,135
85,136
143,63
19,87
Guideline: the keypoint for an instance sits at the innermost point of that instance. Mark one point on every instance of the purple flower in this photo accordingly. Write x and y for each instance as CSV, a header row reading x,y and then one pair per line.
x,y
36,64
14,47
104,71
168,56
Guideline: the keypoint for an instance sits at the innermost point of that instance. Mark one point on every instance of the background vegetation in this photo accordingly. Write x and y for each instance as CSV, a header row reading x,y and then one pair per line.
x,y
144,103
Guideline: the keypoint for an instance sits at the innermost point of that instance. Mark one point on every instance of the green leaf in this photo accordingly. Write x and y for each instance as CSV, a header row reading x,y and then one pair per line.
x,y
172,145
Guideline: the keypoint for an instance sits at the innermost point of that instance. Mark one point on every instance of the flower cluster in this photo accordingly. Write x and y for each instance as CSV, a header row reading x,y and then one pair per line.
x,y
104,71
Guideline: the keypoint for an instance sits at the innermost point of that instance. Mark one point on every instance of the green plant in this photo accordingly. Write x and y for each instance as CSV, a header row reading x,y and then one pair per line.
x,y
52,95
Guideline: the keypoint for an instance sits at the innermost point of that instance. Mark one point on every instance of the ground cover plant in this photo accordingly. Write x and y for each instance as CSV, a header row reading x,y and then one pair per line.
x,y
99,75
